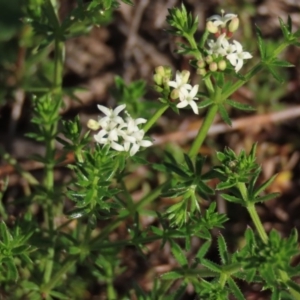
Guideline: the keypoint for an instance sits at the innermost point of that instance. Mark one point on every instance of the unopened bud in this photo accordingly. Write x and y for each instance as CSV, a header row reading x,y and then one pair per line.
x,y
158,79
222,65
211,27
174,94
201,72
160,70
209,59
158,88
201,64
168,71
93,124
213,66
185,76
234,24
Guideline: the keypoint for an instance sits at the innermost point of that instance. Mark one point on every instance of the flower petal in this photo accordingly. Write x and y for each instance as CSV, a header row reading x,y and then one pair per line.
x,y
194,107
182,104
104,109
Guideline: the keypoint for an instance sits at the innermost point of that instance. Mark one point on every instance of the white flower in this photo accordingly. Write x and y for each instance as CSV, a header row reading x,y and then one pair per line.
x,y
181,81
139,142
237,57
188,97
120,135
112,117
221,20
109,138
221,46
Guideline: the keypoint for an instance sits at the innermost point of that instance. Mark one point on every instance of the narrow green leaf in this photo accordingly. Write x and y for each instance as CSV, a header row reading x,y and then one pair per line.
x,y
250,274
223,252
281,63
170,157
189,162
261,44
293,285
78,213
231,198
211,265
289,24
203,249
204,103
240,106
178,254
277,76
176,169
276,295
235,290
11,270
173,275
265,198
224,115
5,234
285,31
59,295
224,185
264,186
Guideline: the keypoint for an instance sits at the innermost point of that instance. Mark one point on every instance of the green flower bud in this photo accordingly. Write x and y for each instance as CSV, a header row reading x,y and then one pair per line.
x,y
201,64
174,94
209,59
234,24
185,76
158,79
160,70
213,66
210,27
201,72
158,88
93,124
168,71
222,65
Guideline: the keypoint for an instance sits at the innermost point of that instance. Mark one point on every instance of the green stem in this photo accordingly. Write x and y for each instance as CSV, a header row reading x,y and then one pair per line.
x,y
155,117
62,271
50,143
223,279
262,233
253,213
202,133
198,56
256,220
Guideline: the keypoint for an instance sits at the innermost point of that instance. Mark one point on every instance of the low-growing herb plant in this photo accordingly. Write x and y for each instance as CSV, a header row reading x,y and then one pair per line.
x,y
42,259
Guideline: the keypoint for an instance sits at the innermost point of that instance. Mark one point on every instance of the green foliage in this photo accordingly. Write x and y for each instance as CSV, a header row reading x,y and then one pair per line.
x,y
41,259
236,168
13,245
182,21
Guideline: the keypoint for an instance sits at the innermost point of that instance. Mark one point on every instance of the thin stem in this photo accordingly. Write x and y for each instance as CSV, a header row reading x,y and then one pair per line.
x,y
62,271
223,279
253,213
257,222
50,143
155,117
202,133
198,56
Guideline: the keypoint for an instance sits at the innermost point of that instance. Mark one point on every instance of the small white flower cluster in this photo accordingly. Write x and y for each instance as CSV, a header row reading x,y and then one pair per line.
x,y
184,90
233,52
119,134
